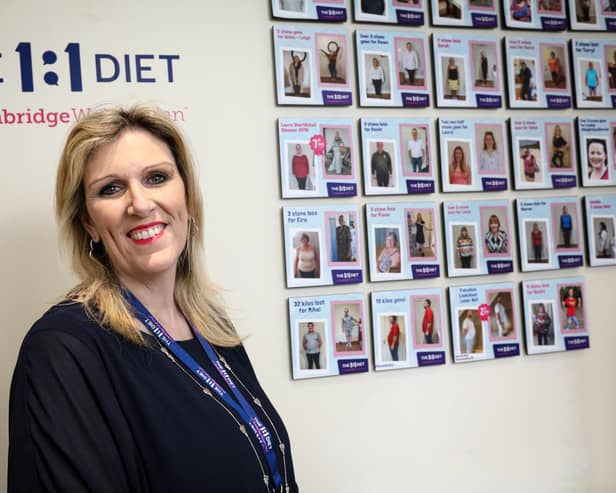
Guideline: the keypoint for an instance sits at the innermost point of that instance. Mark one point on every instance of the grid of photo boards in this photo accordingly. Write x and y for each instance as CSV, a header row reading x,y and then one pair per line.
x,y
475,99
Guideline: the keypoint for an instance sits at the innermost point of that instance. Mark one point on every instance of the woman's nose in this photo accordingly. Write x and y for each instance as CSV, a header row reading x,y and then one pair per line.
x,y
140,201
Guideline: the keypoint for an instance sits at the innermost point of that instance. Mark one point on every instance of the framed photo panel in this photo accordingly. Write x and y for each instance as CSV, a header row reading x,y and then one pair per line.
x,y
544,153
398,156
328,335
318,158
403,12
554,315
403,241
601,229
313,65
468,71
393,69
408,328
550,233
474,155
323,245
478,237
318,10
484,322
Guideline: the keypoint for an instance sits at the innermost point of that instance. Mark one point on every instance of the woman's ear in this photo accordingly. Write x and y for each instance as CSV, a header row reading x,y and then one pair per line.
x,y
87,225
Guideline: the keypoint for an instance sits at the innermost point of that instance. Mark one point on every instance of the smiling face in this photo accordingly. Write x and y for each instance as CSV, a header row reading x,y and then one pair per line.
x,y
488,140
596,155
136,205
494,224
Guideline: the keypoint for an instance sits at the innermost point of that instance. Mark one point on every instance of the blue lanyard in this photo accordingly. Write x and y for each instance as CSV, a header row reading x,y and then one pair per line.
x,y
241,405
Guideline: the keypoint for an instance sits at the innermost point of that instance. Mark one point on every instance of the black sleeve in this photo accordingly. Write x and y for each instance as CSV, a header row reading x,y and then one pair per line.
x,y
62,421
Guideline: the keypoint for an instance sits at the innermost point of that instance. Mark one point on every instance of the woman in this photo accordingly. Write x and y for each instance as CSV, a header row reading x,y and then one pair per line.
x,y
420,237
469,332
465,248
529,164
489,159
389,258
105,396
453,78
536,239
559,144
300,167
541,325
496,238
603,242
336,152
459,172
306,264
296,72
554,68
377,76
611,68
597,159
332,60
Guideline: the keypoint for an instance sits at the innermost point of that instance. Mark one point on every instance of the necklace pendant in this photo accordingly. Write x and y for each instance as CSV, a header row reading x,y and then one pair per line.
x,y
266,480
257,402
281,446
206,391
224,362
243,430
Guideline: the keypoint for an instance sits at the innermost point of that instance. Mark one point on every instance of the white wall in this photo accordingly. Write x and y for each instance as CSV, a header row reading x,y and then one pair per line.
x,y
532,424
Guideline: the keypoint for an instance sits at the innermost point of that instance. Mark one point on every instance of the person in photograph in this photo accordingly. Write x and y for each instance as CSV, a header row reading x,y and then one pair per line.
x,y
417,151
554,68
296,72
611,69
300,167
525,76
520,10
389,258
496,238
374,7
603,243
459,171
500,317
584,6
292,5
106,373
306,264
353,240
336,151
332,59
393,338
453,78
529,164
571,304
311,342
483,67
343,241
381,165
377,76
591,80
412,232
536,241
566,226
469,332
465,248
495,75
489,158
410,63
420,236
427,322
542,323
596,151
559,145
347,323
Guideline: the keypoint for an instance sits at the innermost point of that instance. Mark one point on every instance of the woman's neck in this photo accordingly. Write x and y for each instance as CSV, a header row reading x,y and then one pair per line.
x,y
157,295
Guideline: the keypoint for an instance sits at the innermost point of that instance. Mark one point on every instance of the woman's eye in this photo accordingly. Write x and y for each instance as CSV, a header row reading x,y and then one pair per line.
x,y
157,178
110,189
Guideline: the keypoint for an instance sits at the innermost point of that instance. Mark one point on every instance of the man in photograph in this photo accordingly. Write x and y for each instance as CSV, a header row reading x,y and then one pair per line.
x,y
343,241
566,226
525,75
417,153
427,323
410,62
347,328
381,165
312,345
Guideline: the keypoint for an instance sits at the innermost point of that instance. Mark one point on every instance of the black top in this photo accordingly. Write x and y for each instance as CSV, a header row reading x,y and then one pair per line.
x,y
91,411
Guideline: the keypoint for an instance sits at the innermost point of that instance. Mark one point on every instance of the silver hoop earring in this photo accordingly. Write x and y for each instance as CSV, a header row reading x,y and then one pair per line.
x,y
91,252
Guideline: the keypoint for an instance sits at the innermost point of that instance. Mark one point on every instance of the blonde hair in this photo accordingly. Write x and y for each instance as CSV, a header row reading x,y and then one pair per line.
x,y
100,291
